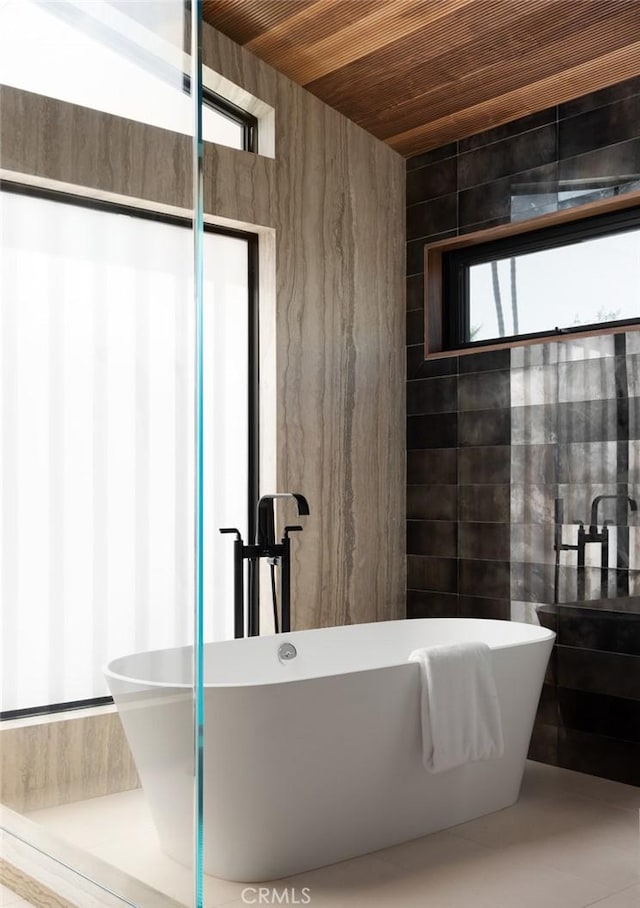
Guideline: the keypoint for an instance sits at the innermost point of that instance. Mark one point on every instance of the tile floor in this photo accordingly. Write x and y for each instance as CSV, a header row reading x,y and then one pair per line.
x,y
571,841
8,899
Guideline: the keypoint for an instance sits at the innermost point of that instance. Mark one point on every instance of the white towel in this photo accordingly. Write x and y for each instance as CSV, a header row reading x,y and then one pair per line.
x,y
459,705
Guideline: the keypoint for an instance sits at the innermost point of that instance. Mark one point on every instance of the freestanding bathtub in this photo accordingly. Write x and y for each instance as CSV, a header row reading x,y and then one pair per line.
x,y
317,759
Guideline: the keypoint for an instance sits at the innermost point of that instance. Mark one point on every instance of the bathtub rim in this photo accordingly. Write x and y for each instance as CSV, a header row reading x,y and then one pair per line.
x,y
542,635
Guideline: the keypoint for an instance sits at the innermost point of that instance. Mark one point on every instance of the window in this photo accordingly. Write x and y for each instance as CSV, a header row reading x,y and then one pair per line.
x,y
100,55
96,450
527,282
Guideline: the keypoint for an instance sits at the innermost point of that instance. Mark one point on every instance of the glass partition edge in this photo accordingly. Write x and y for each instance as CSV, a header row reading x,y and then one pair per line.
x,y
198,295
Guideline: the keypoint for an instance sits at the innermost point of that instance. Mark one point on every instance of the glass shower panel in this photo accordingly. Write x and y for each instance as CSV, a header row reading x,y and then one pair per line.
x,y
98,446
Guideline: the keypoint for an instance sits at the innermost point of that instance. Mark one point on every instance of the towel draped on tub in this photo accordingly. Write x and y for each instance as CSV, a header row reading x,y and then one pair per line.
x,y
460,712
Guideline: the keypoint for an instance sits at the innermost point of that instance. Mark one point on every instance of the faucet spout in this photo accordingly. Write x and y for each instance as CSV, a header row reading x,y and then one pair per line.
x,y
265,522
593,529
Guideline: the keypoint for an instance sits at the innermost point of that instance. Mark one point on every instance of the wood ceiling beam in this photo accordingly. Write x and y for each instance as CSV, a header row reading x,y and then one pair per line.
x,y
420,73
491,80
243,20
592,75
306,57
448,61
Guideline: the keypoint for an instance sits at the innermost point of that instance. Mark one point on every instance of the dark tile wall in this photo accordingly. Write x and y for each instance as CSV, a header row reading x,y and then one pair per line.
x,y
458,492
488,452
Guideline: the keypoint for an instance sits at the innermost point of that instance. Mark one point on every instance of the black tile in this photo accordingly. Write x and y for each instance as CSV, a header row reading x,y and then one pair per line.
x,y
484,503
415,292
598,420
485,541
438,574
600,714
490,464
578,499
551,674
484,607
532,543
586,379
484,427
437,467
421,604
415,251
631,413
415,326
438,430
488,579
607,125
489,202
568,423
544,744
514,128
494,201
548,705
600,98
432,537
602,673
434,217
429,157
547,614
609,758
533,582
415,257
616,586
536,424
599,629
432,502
484,390
533,464
612,166
484,225
510,156
419,367
432,181
415,359
531,503
432,395
485,360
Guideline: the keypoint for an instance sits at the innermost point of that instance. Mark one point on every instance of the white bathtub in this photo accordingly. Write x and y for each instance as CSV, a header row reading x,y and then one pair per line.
x,y
317,759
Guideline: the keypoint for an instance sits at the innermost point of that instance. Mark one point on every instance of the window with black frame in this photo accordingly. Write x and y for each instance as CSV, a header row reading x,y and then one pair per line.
x,y
96,407
569,277
146,81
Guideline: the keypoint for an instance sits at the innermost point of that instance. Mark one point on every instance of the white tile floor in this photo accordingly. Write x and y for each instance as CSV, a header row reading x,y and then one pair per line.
x,y
8,899
571,841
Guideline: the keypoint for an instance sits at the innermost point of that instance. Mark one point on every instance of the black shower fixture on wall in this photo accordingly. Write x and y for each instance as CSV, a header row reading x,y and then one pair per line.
x,y
277,555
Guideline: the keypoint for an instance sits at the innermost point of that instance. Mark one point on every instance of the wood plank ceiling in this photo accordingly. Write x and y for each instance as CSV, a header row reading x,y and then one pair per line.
x,y
421,73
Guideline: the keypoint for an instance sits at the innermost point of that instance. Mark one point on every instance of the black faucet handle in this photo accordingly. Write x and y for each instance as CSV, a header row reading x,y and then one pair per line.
x,y
288,530
232,530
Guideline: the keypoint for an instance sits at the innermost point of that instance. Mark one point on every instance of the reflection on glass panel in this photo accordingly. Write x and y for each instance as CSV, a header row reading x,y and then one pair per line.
x,y
586,283
122,58
542,195
96,453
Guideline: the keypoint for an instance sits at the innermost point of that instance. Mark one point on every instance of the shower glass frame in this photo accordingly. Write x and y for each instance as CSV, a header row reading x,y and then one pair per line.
x,y
190,15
